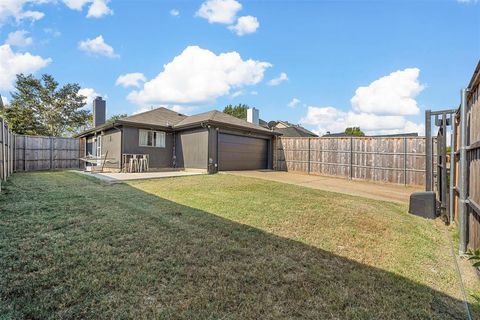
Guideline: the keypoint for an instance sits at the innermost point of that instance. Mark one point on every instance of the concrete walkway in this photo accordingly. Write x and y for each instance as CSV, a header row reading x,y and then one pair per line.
x,y
373,190
120,177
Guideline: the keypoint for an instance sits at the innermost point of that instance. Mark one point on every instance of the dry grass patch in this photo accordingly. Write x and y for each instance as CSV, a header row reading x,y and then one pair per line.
x,y
215,247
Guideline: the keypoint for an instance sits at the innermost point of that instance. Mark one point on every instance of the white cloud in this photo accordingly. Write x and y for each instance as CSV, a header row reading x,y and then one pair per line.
x,y
4,100
219,11
198,75
254,93
52,32
90,94
276,81
13,63
15,9
335,120
99,9
19,39
468,1
174,12
76,4
294,103
131,80
97,47
392,94
245,25
237,93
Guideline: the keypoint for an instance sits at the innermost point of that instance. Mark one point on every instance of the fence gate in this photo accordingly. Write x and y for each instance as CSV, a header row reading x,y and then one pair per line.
x,y
438,168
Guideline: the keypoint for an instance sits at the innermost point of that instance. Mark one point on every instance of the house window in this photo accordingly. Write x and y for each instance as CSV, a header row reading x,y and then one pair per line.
x,y
149,138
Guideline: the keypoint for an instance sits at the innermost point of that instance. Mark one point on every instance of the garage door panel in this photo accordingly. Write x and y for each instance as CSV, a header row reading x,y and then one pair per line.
x,y
242,153
242,148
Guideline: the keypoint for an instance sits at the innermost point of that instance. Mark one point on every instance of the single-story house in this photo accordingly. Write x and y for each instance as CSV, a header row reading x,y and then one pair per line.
x,y
212,141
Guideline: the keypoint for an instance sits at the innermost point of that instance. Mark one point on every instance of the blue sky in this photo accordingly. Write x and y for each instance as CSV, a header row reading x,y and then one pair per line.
x,y
376,64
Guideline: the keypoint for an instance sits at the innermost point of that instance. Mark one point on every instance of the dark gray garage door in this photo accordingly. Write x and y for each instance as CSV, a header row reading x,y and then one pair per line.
x,y
241,153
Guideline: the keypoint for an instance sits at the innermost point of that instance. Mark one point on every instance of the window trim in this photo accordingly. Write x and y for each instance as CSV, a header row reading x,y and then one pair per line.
x,y
162,133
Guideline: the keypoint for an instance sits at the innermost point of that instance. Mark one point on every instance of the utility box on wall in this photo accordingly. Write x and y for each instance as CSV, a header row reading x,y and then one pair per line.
x,y
423,204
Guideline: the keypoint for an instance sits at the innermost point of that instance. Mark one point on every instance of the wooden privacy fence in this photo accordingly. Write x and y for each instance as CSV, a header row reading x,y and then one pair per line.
x,y
44,153
395,160
472,176
32,153
6,152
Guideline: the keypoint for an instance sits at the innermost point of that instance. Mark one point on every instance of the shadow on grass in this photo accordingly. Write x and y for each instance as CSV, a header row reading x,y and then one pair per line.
x,y
74,248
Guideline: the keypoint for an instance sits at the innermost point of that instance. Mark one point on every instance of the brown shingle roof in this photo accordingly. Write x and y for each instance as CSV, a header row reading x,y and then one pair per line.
x,y
164,117
219,118
157,117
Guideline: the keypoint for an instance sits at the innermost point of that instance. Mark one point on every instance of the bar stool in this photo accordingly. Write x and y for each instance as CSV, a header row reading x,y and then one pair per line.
x,y
144,163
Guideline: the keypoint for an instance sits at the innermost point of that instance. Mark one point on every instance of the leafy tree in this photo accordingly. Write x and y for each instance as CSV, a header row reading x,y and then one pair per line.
x,y
116,117
40,107
354,131
238,111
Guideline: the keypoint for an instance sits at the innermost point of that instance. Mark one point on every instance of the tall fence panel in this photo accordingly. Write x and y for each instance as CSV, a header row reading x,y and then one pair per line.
x,y
46,153
473,162
395,160
6,152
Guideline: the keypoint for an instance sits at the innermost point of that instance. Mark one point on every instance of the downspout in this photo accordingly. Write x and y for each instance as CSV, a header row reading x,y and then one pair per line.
x,y
463,212
174,155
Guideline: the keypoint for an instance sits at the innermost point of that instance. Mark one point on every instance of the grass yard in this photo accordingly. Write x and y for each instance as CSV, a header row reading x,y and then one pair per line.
x,y
216,247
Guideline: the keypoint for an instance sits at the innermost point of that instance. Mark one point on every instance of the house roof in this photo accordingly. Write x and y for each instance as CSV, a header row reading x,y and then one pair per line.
x,y
291,130
396,135
158,117
163,117
295,131
218,117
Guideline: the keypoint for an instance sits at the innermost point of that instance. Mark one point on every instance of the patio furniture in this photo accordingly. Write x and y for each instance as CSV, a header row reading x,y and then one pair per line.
x,y
135,162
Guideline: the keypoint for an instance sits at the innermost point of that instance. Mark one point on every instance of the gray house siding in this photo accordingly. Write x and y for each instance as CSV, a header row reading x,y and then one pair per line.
x,y
111,143
191,149
159,157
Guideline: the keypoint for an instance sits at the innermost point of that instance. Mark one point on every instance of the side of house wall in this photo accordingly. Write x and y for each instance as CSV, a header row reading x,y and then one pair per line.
x,y
159,157
112,148
191,149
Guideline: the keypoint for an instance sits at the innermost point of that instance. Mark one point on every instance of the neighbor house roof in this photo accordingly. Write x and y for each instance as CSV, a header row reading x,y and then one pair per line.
x,y
295,131
395,135
221,118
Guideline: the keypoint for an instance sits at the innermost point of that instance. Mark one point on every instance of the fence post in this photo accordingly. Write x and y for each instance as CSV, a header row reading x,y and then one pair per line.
x,y
309,158
453,125
405,159
9,135
3,156
25,153
51,152
4,148
428,151
463,212
351,158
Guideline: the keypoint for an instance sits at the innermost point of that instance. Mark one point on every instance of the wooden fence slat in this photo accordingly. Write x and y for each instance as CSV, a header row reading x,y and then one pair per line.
x,y
395,160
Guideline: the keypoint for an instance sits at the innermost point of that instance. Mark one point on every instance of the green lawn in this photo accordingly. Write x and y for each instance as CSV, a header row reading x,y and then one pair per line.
x,y
215,247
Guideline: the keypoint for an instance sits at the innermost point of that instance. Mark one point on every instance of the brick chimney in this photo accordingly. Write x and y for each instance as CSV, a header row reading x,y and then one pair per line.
x,y
99,111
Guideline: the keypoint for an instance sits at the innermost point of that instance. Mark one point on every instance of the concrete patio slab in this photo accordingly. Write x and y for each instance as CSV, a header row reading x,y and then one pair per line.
x,y
113,177
367,189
